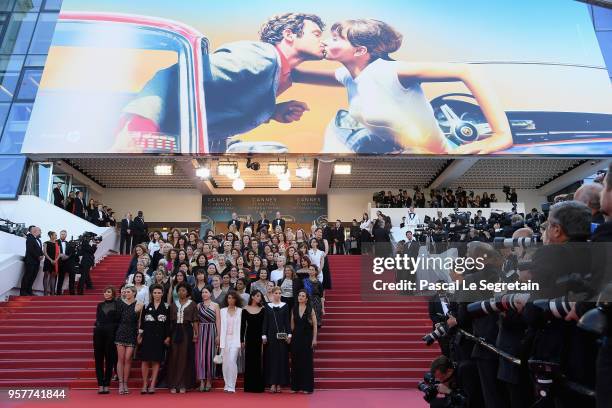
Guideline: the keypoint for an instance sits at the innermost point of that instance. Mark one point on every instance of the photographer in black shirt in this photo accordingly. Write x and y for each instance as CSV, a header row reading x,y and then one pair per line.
x,y
87,249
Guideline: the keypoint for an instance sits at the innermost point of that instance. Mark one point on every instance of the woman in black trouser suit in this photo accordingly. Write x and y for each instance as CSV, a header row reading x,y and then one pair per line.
x,y
107,319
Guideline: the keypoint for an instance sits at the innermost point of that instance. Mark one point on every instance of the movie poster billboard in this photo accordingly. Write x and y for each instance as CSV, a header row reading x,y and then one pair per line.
x,y
364,77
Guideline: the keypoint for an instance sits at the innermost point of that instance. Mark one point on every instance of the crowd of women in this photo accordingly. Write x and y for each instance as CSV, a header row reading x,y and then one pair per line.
x,y
192,310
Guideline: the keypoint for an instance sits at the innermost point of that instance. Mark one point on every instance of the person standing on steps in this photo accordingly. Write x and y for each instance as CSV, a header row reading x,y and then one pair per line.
x,y
125,339
108,315
153,337
250,339
231,318
185,326
304,329
33,256
208,339
125,242
276,337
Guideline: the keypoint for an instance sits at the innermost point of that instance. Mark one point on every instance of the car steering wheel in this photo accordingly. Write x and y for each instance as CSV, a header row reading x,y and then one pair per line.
x,y
462,122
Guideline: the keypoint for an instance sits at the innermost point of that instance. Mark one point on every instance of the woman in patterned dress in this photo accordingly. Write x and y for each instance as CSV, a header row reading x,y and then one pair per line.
x,y
208,340
125,338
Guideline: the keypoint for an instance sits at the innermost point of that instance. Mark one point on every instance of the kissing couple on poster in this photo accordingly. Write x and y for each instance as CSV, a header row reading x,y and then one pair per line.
x,y
388,110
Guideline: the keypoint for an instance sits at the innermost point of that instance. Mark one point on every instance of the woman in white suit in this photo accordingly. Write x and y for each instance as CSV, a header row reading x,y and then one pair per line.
x,y
231,317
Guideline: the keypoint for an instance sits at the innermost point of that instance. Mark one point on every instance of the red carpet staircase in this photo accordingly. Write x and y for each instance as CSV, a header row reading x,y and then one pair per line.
x,y
47,341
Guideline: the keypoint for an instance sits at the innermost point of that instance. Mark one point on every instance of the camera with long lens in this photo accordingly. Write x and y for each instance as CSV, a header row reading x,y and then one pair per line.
x,y
498,304
429,387
522,242
440,331
90,236
14,228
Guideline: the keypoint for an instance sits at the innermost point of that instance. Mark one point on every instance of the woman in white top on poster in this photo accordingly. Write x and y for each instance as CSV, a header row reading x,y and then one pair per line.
x,y
388,110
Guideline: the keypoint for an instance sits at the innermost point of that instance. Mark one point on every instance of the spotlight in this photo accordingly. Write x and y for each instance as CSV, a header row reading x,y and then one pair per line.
x,y
303,172
342,168
227,168
253,165
163,169
238,184
284,184
277,167
203,172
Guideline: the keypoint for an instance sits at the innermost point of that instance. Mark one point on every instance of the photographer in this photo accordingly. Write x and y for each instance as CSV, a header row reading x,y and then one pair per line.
x,y
603,233
512,332
487,362
558,341
445,383
87,249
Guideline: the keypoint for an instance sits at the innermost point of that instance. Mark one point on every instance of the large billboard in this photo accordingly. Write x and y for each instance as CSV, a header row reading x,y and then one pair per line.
x,y
385,77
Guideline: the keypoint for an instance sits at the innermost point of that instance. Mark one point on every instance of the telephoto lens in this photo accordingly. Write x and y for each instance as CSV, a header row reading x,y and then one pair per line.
x,y
503,303
523,242
441,330
553,308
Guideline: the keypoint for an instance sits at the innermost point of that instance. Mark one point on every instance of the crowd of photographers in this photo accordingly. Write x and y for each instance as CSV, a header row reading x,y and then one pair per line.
x,y
437,198
548,347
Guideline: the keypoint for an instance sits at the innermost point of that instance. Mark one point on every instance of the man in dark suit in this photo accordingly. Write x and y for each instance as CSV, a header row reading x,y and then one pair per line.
x,y
278,222
263,222
479,219
66,264
338,238
234,221
140,229
33,256
58,195
99,216
412,246
125,242
79,205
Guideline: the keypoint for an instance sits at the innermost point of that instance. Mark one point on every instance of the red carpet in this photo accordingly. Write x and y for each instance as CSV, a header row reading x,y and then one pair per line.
x,y
320,399
47,341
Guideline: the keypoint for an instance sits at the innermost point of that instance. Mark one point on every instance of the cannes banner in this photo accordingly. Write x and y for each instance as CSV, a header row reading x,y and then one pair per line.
x,y
340,77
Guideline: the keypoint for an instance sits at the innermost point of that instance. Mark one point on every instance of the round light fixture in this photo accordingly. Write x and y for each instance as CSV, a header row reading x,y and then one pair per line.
x,y
238,184
284,184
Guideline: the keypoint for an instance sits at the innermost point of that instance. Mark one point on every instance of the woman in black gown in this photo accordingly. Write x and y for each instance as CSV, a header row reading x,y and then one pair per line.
x,y
250,337
276,336
153,337
304,340
105,353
